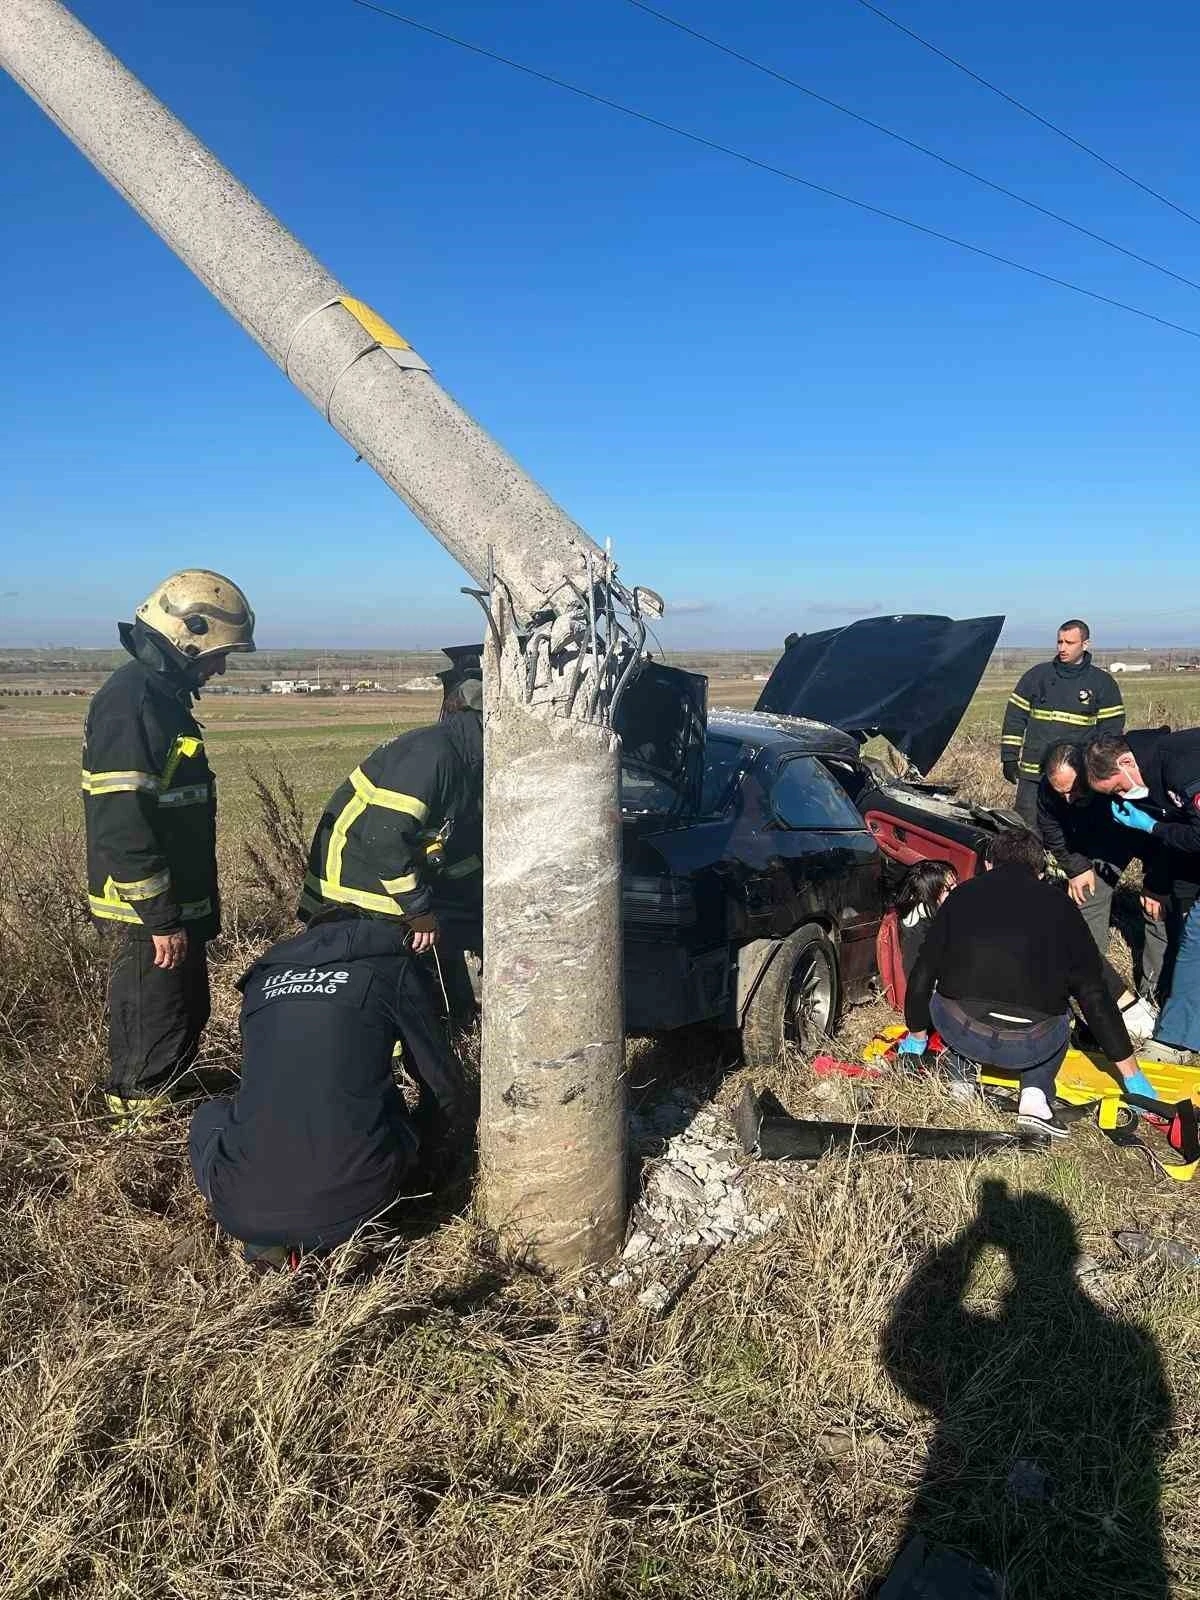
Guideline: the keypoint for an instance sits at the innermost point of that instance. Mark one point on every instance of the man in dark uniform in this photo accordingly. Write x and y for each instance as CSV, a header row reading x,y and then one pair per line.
x,y
402,838
1067,698
1153,777
318,1140
149,804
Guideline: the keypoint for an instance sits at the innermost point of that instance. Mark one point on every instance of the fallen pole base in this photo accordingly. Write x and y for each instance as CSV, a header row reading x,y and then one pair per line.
x,y
765,1129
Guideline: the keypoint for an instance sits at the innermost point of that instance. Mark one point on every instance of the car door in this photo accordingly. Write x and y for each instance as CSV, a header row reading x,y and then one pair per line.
x,y
806,854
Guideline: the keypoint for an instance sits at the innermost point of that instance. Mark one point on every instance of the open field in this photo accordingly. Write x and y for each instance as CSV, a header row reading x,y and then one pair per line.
x,y
454,1427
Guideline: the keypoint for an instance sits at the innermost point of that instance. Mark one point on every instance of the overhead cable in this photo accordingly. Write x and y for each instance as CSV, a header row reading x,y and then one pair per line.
x,y
912,144
1030,112
768,167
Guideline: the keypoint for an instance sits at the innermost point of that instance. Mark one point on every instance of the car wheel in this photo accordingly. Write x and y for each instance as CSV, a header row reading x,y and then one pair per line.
x,y
797,1001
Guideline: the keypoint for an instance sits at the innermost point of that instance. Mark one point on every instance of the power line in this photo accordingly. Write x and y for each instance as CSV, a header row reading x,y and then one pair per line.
x,y
912,144
1030,112
774,171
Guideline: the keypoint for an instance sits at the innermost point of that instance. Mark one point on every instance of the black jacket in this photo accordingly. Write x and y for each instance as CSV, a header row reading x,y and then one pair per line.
x,y
405,831
318,1139
1052,702
1080,832
1006,938
1170,766
149,800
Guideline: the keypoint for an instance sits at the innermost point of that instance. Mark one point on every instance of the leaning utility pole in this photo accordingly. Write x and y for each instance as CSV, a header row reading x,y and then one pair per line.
x,y
563,638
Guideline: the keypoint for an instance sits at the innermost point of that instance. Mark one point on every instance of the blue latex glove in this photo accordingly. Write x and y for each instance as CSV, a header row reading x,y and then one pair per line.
x,y
1138,1083
1131,817
914,1044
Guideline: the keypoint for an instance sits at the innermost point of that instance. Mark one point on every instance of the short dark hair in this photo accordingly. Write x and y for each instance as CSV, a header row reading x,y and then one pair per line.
x,y
1075,622
1017,847
1063,754
1104,756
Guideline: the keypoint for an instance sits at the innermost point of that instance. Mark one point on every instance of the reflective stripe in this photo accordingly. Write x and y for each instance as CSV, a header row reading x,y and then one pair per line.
x,y
347,817
143,888
118,782
463,868
193,794
404,884
1070,717
1015,699
1029,769
1111,711
1013,738
112,910
111,907
391,799
363,898
366,794
186,744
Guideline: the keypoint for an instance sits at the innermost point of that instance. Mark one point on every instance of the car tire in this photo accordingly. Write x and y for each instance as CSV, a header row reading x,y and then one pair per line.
x,y
797,999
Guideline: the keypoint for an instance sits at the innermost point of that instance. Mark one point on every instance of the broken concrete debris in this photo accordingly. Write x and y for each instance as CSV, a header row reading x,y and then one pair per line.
x,y
693,1199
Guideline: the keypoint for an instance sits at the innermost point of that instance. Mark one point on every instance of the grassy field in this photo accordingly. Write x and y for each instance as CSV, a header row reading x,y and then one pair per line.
x,y
456,1426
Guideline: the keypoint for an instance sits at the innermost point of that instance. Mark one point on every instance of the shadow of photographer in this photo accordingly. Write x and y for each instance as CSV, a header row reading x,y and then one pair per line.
x,y
1044,1465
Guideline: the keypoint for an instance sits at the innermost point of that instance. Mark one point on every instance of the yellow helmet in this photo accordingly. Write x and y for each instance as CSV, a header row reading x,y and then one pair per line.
x,y
200,614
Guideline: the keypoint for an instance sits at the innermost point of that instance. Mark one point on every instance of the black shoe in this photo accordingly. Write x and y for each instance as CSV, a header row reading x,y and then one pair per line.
x,y
1052,1127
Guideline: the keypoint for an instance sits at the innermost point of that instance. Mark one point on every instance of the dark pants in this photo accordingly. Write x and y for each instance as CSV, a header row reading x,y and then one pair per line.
x,y
1026,801
156,1017
1033,1054
1149,950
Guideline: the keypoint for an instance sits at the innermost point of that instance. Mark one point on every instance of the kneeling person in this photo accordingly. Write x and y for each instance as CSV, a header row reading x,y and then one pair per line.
x,y
318,1140
1002,961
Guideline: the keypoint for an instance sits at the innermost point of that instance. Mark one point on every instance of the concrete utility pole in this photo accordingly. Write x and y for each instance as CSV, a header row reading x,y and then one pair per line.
x,y
563,638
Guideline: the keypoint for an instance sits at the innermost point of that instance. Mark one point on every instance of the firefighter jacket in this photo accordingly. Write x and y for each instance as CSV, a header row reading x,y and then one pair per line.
x,y
149,800
405,831
1052,703
1170,768
318,1138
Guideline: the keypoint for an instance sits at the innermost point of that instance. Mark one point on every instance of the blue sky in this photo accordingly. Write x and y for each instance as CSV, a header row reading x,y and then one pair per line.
x,y
783,412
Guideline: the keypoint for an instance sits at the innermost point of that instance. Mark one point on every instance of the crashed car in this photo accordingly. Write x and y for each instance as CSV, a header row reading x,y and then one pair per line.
x,y
761,848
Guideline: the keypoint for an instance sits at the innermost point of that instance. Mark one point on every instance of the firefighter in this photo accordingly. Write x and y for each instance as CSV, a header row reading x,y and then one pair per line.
x,y
402,838
318,1139
1067,698
1153,777
149,806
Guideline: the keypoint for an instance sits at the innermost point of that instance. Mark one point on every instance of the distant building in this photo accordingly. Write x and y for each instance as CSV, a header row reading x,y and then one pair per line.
x,y
1129,666
290,686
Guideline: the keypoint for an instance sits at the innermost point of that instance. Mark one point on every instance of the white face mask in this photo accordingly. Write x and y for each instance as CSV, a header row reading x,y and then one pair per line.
x,y
1138,792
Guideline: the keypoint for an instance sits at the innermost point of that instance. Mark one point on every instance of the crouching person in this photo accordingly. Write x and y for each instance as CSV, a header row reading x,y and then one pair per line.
x,y
1002,961
318,1141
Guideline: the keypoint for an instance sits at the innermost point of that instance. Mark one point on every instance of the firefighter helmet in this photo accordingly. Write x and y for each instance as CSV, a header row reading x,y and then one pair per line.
x,y
199,614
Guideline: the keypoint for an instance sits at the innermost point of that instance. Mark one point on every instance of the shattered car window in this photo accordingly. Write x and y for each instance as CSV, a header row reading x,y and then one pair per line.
x,y
723,760
642,792
804,795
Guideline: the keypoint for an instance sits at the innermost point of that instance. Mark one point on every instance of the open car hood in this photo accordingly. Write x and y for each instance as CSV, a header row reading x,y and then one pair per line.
x,y
909,679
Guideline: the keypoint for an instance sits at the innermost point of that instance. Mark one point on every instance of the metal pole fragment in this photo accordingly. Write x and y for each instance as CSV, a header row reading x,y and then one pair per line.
x,y
553,1132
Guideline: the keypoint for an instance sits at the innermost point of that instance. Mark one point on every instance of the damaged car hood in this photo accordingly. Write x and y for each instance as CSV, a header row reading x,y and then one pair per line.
x,y
907,678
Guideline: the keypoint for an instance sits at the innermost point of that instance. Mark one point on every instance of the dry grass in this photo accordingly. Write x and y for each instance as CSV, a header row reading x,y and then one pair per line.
x,y
452,1425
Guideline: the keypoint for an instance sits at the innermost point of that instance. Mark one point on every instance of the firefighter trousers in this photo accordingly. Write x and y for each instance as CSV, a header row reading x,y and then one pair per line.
x,y
156,1016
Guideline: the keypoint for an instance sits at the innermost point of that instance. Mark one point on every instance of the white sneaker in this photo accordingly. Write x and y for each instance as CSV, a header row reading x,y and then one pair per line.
x,y
1033,1103
1141,1019
1035,1116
